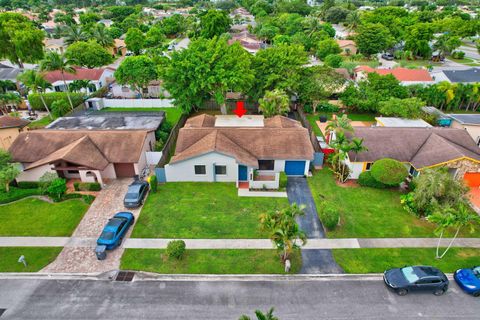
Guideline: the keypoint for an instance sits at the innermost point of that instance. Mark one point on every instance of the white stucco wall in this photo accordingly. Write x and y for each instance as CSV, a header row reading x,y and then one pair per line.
x,y
35,174
142,162
185,171
109,172
355,168
473,131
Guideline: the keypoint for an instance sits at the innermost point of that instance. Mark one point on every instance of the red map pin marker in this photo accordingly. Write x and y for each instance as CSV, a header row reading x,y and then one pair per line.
x,y
240,109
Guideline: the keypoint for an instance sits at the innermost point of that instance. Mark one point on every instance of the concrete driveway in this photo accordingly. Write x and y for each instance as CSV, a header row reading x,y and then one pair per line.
x,y
78,255
314,260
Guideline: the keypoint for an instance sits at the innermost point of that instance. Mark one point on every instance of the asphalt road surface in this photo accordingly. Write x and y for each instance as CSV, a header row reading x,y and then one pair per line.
x,y
298,299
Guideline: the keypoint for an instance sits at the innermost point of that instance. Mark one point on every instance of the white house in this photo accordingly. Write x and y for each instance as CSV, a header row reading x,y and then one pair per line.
x,y
99,77
251,151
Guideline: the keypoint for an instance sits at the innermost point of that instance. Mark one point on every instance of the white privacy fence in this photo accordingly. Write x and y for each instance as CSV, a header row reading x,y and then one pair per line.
x,y
137,103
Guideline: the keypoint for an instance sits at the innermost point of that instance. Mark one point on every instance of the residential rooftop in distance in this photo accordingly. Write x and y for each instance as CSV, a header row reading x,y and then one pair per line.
x,y
463,76
401,123
471,119
109,122
235,121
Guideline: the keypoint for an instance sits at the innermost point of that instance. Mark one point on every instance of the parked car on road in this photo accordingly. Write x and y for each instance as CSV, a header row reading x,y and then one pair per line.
x,y
469,280
388,56
116,228
135,194
416,278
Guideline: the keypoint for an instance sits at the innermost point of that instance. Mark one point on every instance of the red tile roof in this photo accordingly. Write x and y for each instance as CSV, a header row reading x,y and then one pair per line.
x,y
402,74
81,74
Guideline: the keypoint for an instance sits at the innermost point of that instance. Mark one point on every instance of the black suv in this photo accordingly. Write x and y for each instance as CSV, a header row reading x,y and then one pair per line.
x,y
135,194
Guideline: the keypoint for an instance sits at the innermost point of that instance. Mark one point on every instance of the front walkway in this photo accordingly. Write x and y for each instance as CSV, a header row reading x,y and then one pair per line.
x,y
78,254
313,260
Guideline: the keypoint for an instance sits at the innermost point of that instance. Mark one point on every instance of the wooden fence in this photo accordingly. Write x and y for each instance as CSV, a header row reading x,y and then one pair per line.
x,y
313,138
169,148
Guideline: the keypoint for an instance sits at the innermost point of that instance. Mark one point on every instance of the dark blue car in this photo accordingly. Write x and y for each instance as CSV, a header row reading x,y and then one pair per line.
x,y
469,280
116,228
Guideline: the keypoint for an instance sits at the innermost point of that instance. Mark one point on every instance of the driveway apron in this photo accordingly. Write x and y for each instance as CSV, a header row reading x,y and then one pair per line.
x,y
78,257
314,260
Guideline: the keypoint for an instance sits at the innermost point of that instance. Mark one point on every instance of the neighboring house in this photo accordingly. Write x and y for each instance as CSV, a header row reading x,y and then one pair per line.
x,y
57,45
404,75
9,73
248,41
471,75
401,123
10,128
119,47
49,26
348,47
418,149
89,148
468,122
99,77
249,150
153,90
107,22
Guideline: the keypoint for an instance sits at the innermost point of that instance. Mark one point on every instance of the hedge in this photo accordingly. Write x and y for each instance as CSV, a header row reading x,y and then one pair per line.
x,y
16,194
87,186
389,171
37,104
28,185
365,179
283,180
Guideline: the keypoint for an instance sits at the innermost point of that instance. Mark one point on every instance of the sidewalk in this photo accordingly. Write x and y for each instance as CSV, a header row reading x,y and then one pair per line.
x,y
136,243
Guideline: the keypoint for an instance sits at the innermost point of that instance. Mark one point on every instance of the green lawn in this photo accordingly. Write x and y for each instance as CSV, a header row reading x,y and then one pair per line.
x,y
368,212
379,260
37,258
202,210
209,262
312,120
465,61
40,123
173,114
34,217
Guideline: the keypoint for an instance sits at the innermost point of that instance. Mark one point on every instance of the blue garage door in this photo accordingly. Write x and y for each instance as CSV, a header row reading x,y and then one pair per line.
x,y
295,168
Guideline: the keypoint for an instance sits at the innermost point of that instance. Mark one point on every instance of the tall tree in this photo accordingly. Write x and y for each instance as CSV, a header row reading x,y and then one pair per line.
x,y
214,23
207,69
74,33
20,41
283,229
373,38
137,72
453,217
135,40
36,83
56,62
274,103
88,54
103,37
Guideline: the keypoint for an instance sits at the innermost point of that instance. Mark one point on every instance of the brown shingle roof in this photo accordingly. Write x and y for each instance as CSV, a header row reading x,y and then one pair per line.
x,y
422,147
12,122
114,146
281,138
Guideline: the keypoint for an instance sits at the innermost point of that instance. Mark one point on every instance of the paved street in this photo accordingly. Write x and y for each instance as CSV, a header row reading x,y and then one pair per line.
x,y
293,299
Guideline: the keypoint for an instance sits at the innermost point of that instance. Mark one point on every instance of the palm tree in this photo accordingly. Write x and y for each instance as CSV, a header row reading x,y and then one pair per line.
x,y
357,147
353,21
6,99
36,83
78,85
56,62
261,316
459,217
74,33
337,125
448,91
100,33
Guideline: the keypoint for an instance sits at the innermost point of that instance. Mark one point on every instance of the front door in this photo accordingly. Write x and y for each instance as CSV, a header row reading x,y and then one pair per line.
x,y
242,173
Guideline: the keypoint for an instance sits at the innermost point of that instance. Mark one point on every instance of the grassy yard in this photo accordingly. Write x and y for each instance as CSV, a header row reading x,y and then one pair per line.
x,y
40,123
37,258
379,260
34,217
368,212
173,114
209,262
202,210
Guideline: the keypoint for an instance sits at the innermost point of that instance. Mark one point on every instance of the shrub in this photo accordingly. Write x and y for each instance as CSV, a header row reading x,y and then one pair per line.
x,y
458,54
161,136
60,108
175,249
329,216
333,60
408,203
28,185
88,198
389,171
17,194
37,104
307,108
57,189
327,107
87,186
365,179
45,181
69,196
283,180
159,145
76,186
153,183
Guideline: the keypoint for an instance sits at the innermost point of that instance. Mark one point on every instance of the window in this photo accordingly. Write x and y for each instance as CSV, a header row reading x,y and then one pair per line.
x,y
413,172
72,172
200,169
266,164
368,166
221,170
